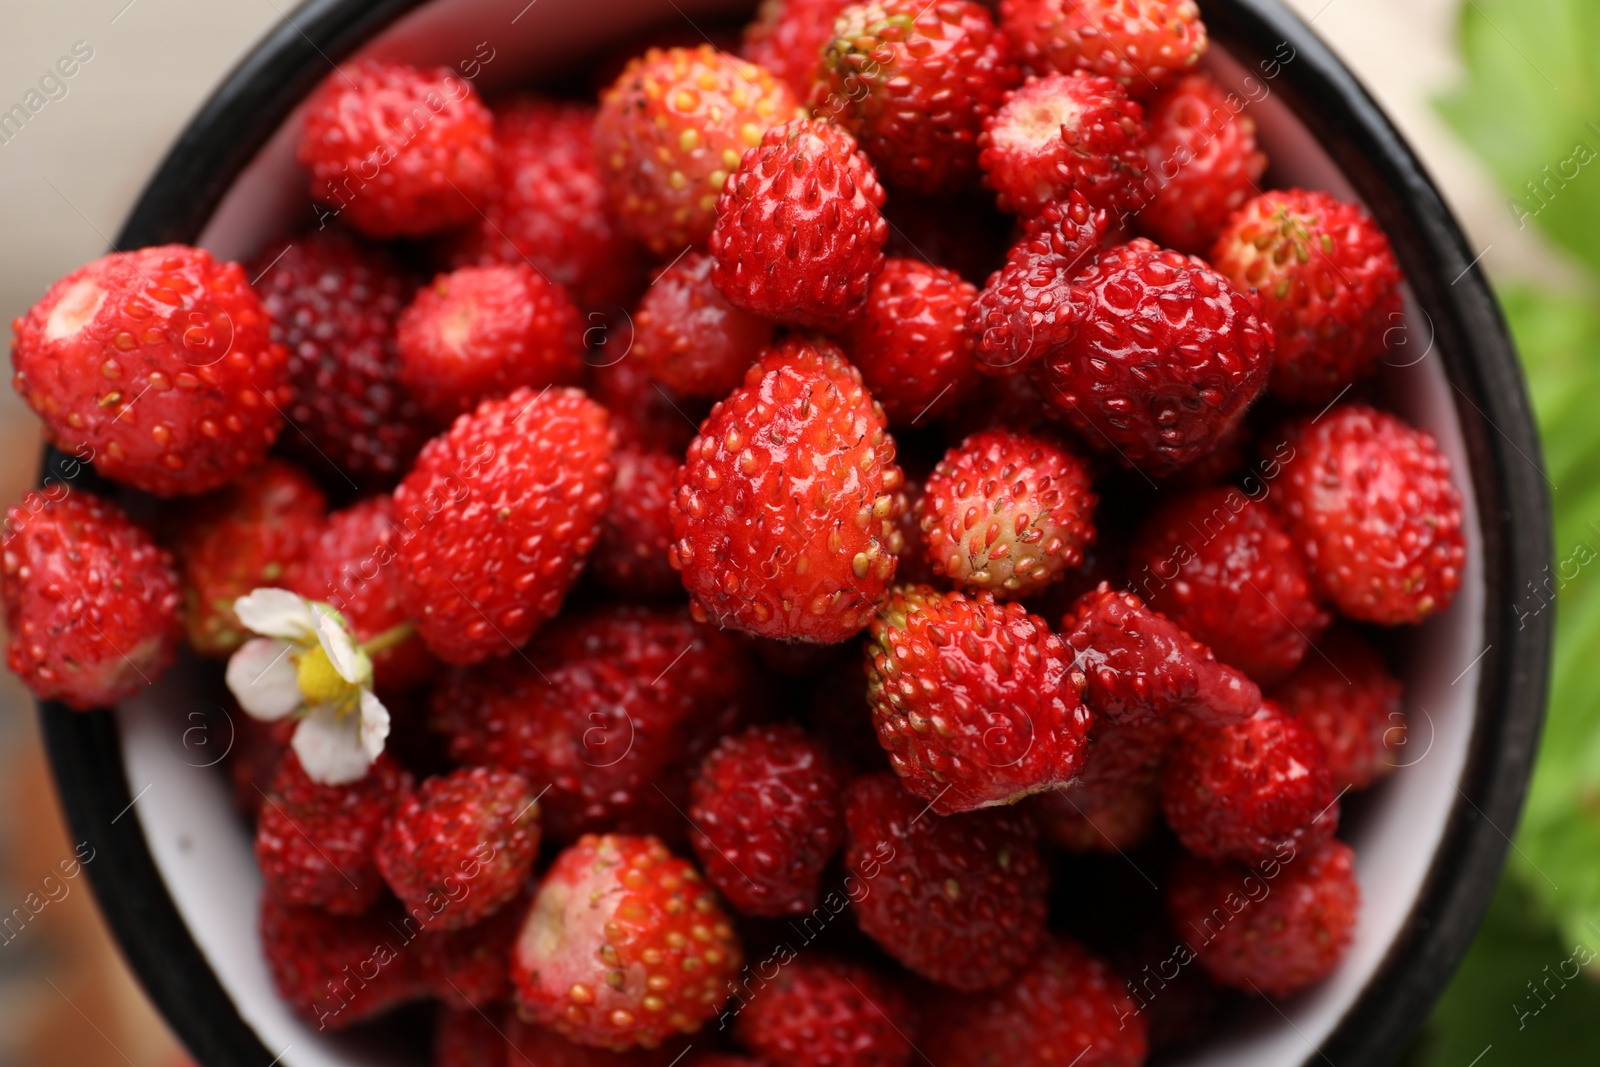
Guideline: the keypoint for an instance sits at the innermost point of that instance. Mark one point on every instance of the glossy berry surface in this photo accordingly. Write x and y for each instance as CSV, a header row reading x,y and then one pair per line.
x,y
1144,44
910,344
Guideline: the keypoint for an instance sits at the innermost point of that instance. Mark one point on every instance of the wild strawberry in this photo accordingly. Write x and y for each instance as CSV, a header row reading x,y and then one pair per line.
x,y
973,699
481,332
767,817
1220,565
913,567
689,338
824,1012
914,82
254,533
506,505
314,843
625,946
157,367
1203,164
909,343
1169,358
1141,668
1247,790
547,207
787,38
1371,503
467,968
1280,942
959,899
469,836
1067,1007
335,971
334,301
1145,45
671,129
526,1044
396,151
644,412
787,503
632,554
1345,695
91,603
1113,803
1060,133
1325,276
798,233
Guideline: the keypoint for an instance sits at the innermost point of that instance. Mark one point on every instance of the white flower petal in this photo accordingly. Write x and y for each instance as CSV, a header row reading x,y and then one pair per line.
x,y
263,679
351,663
374,724
329,747
276,613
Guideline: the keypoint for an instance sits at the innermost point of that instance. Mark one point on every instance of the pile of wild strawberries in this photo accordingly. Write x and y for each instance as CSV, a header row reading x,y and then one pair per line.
x,y
739,611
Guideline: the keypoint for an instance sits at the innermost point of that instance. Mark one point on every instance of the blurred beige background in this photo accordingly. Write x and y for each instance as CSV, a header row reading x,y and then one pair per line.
x,y
68,177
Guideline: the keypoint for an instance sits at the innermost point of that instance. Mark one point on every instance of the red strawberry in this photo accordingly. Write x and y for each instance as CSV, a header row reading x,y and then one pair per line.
x,y
959,899
909,343
823,1012
1345,695
469,837
625,946
1061,133
1067,1008
1168,361
913,568
644,412
1325,277
671,129
787,38
1203,164
914,82
506,505
396,151
538,1047
689,338
467,968
157,367
547,207
1371,503
1141,668
1144,44
254,533
1220,565
335,971
798,233
973,699
1249,790
632,554
767,817
786,508
1293,929
1113,804
91,603
334,301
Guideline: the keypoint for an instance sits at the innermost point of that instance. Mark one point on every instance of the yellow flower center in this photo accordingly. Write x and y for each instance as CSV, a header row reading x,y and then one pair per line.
x,y
319,681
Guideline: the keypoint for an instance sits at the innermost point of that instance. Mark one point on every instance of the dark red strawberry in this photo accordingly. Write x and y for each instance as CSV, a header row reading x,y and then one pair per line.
x,y
1346,695
687,335
787,37
1114,802
335,971
632,556
469,969
824,1012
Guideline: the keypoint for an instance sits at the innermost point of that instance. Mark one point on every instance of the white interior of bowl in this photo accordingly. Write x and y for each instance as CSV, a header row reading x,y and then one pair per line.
x,y
202,849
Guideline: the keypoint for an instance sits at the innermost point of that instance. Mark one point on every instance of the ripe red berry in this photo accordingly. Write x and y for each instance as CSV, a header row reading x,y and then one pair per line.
x,y
334,301
787,38
1371,503
671,129
798,233
1144,44
1276,928
91,603
335,971
1203,164
914,83
1220,565
958,899
1168,360
395,151
914,356
767,817
625,946
689,338
786,510
1068,1007
481,332
506,505
156,366
1325,277
314,842
1248,790
824,1012
255,533
1060,133
539,1047
1113,803
1345,695
1141,668
469,967
632,555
